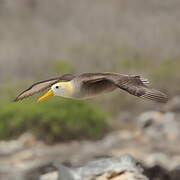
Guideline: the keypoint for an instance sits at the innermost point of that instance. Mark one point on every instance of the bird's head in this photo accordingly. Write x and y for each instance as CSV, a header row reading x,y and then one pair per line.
x,y
63,89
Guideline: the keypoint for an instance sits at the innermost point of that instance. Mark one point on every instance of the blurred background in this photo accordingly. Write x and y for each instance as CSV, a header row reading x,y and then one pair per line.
x,y
44,39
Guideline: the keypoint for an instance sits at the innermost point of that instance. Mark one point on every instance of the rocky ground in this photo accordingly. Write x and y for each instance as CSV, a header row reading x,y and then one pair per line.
x,y
154,143
117,168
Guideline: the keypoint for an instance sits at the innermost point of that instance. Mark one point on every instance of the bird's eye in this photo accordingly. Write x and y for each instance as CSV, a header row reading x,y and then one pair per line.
x,y
57,87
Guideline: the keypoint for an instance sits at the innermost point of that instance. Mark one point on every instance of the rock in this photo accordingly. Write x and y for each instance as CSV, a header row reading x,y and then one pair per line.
x,y
145,119
173,105
124,176
158,125
10,147
28,139
13,146
150,123
50,176
154,142
175,173
118,168
156,172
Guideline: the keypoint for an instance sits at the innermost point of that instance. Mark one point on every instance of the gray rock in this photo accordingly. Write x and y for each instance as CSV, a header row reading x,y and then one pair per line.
x,y
10,147
159,125
173,105
150,123
50,176
124,165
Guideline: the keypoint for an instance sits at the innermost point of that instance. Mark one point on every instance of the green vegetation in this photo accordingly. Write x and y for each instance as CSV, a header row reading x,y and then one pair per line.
x,y
54,120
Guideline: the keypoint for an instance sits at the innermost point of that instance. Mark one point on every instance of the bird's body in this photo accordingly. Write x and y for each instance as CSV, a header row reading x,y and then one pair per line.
x,y
91,91
81,90
88,85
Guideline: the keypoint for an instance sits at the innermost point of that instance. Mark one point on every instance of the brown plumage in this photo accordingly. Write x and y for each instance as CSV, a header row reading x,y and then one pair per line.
x,y
92,84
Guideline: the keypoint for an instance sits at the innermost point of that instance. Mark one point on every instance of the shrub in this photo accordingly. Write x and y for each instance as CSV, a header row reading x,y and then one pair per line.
x,y
53,120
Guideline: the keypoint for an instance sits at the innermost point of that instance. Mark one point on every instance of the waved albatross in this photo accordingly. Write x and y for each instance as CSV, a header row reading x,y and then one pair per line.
x,y
88,85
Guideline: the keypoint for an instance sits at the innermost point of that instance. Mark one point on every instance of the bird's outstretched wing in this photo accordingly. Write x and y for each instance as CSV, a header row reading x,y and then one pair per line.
x,y
134,85
41,86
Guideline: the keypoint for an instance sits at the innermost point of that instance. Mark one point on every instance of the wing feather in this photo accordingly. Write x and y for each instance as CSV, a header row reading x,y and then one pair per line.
x,y
133,84
136,86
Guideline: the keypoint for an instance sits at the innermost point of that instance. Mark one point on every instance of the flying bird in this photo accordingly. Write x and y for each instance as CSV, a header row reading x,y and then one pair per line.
x,y
88,85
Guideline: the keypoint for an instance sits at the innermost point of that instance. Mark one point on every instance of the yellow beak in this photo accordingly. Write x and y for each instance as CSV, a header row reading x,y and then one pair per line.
x,y
49,94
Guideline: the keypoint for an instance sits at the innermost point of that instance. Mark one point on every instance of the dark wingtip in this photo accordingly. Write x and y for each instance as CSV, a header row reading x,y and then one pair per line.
x,y
15,100
156,96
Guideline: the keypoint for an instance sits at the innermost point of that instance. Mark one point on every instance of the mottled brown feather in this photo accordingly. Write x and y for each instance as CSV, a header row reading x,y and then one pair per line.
x,y
134,85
